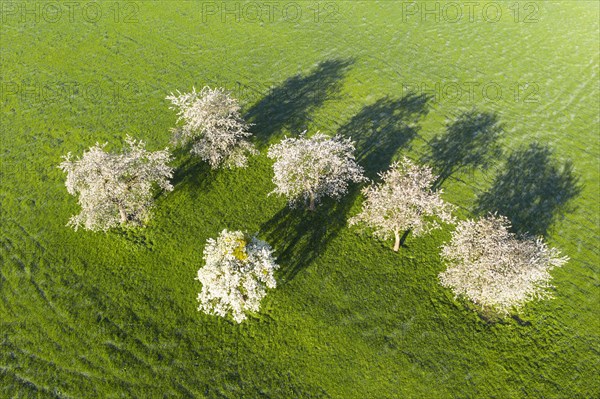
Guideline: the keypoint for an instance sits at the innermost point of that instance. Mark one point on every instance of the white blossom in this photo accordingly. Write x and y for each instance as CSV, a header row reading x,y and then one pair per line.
x,y
403,201
495,269
307,169
115,189
213,125
238,270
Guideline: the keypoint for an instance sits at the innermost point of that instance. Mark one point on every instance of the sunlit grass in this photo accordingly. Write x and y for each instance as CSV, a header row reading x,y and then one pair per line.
x,y
115,315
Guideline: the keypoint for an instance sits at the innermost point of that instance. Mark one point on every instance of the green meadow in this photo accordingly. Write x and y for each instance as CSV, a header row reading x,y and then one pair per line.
x,y
95,315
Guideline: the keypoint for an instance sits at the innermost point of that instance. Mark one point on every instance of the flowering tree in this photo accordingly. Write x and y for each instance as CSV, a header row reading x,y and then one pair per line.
x,y
213,125
115,189
307,169
493,268
404,201
237,273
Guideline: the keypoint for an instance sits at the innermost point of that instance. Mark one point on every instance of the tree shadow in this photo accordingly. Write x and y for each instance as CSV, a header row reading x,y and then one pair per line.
x,y
298,235
290,104
191,171
470,141
532,190
380,129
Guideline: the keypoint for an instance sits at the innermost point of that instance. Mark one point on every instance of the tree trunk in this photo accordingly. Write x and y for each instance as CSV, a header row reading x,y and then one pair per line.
x,y
400,240
311,205
123,214
397,243
404,236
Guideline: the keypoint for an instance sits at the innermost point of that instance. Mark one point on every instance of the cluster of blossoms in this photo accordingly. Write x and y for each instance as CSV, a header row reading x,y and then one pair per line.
x,y
115,189
307,169
238,270
403,201
493,268
212,124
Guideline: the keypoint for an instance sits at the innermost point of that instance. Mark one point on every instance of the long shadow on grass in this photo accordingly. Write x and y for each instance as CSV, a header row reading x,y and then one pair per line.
x,y
290,104
299,235
532,190
470,141
191,171
379,131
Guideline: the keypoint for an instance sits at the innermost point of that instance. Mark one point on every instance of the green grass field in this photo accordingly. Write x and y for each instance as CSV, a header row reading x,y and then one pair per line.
x,y
94,315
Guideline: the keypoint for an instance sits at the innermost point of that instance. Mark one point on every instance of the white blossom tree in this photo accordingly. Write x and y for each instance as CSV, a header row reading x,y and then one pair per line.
x,y
309,168
115,189
237,273
403,201
495,269
212,124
